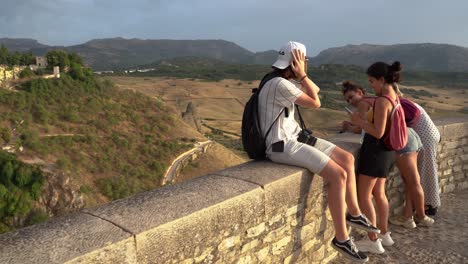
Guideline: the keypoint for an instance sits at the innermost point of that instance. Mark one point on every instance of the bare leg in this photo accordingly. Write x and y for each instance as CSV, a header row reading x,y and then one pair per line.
x,y
381,203
365,187
408,164
346,161
335,176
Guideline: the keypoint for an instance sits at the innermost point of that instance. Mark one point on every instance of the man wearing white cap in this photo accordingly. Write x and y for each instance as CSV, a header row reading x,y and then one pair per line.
x,y
287,85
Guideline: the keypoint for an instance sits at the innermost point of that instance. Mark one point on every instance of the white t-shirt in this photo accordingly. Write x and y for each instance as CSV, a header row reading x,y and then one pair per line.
x,y
275,95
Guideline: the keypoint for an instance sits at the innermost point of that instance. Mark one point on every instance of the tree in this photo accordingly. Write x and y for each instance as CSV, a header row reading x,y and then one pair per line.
x,y
4,55
57,58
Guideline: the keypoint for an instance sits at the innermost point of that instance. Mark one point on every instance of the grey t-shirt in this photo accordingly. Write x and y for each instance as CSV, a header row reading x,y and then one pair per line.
x,y
275,95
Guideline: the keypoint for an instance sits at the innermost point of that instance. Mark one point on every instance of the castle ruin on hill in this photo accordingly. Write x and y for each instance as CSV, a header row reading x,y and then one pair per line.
x,y
9,73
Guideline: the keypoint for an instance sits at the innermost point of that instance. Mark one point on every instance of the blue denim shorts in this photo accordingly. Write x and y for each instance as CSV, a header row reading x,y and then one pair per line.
x,y
414,143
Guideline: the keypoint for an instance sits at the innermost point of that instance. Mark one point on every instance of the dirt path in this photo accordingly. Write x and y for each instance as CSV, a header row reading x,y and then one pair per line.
x,y
446,242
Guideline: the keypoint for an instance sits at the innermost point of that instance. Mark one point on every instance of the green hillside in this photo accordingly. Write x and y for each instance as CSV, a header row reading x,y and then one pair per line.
x,y
113,143
326,76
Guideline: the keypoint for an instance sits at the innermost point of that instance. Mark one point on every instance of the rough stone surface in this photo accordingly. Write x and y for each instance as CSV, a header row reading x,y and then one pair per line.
x,y
167,204
445,242
65,238
258,212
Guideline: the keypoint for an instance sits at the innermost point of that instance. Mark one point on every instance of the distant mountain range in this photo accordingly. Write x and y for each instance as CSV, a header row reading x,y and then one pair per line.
x,y
120,53
416,57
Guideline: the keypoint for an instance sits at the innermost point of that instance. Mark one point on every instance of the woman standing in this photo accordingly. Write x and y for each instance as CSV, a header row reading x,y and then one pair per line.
x,y
375,159
427,160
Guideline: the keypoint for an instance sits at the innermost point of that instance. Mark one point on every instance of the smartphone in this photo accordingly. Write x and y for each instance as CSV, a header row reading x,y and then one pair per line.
x,y
348,110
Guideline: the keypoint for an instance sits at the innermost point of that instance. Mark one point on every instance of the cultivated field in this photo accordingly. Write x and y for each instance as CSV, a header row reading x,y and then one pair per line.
x,y
219,105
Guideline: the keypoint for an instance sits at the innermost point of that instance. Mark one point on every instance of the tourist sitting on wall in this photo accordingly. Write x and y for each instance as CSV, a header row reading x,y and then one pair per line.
x,y
277,98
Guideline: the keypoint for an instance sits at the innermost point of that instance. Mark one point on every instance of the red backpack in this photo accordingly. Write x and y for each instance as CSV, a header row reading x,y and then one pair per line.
x,y
397,136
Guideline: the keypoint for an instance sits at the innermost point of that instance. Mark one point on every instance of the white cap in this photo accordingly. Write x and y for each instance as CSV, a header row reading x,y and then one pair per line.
x,y
284,54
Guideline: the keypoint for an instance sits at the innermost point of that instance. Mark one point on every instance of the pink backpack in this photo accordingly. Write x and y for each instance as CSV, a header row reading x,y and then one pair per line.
x,y
397,136
412,112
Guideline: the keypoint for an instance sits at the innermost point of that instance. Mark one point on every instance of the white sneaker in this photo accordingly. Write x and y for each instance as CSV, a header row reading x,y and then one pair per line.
x,y
367,245
403,221
426,221
387,240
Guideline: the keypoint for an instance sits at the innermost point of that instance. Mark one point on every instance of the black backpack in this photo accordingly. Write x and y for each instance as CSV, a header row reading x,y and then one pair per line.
x,y
253,140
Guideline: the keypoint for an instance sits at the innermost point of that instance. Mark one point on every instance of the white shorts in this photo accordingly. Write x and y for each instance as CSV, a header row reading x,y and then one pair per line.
x,y
295,153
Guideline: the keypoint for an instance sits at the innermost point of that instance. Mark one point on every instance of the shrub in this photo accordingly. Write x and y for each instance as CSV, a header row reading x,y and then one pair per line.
x,y
5,134
85,189
36,216
26,73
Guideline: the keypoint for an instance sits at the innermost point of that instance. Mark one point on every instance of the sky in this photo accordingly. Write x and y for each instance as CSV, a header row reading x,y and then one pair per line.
x,y
256,25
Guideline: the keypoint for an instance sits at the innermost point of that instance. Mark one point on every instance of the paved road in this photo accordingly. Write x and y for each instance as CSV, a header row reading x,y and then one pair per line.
x,y
170,172
446,242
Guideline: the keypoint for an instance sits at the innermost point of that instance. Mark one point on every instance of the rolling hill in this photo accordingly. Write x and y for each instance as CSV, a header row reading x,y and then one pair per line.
x,y
120,53
415,57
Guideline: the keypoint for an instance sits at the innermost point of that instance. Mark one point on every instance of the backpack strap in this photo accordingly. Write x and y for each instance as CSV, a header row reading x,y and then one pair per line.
x,y
265,79
388,98
269,129
394,102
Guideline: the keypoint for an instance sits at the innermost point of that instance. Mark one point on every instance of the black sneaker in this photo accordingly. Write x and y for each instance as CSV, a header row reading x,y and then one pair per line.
x,y
432,211
349,250
361,222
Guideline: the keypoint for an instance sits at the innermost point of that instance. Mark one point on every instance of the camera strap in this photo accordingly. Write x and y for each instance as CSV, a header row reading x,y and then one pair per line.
x,y
303,126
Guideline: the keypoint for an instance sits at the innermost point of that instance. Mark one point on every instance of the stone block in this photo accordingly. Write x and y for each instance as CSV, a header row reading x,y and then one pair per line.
x,y
294,209
285,186
245,260
256,231
277,219
462,186
294,257
279,247
250,246
449,188
308,232
276,234
318,255
262,254
229,243
451,145
464,157
197,212
75,238
206,255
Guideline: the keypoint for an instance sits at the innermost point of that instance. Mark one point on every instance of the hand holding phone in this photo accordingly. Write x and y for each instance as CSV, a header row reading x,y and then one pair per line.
x,y
348,110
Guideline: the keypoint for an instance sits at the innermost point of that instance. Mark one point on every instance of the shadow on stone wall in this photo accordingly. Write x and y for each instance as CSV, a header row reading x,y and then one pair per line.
x,y
257,212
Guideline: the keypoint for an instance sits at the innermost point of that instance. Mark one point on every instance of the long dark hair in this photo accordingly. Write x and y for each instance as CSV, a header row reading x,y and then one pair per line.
x,y
286,73
390,73
350,86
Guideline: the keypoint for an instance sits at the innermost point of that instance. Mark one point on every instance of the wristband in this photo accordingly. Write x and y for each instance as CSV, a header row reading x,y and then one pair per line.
x,y
303,78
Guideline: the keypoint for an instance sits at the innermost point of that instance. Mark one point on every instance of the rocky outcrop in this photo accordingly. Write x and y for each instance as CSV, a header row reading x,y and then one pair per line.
x,y
190,116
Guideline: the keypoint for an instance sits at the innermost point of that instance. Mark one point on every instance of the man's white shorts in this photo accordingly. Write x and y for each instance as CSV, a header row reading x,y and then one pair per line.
x,y
295,153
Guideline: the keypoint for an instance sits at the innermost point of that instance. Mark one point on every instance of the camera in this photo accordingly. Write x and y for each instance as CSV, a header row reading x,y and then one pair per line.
x,y
305,136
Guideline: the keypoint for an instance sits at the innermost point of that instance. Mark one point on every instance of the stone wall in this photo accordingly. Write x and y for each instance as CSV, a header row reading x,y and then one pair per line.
x,y
257,212
9,73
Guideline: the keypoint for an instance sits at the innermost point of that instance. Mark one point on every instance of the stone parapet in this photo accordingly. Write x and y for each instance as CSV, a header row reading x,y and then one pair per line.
x,y
257,212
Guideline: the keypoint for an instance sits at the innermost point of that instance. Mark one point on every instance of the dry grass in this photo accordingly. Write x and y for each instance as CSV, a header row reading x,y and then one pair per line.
x,y
220,104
